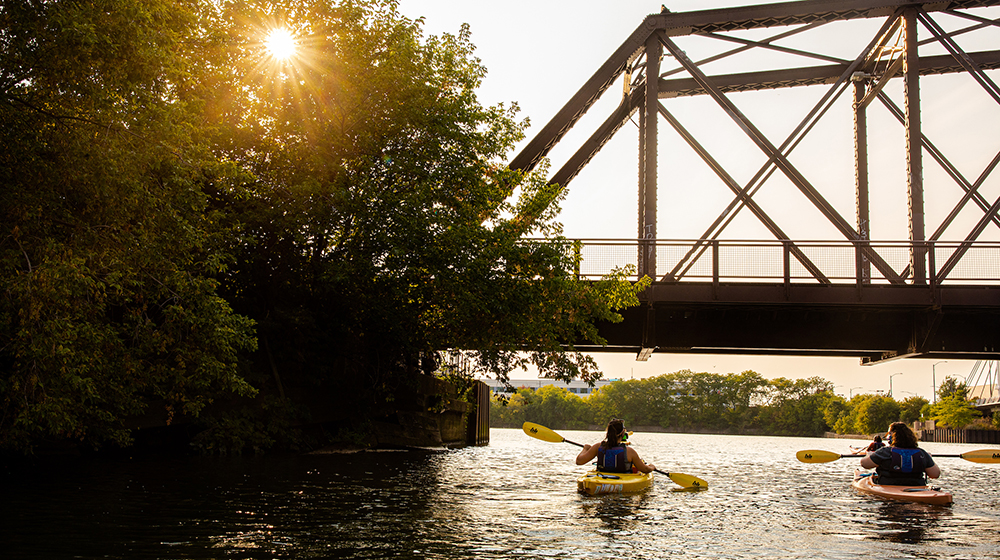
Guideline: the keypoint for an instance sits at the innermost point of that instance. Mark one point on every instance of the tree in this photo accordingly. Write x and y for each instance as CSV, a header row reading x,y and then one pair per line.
x,y
109,251
745,392
911,409
952,387
619,399
514,412
795,407
835,409
352,200
875,413
556,406
864,414
379,224
954,411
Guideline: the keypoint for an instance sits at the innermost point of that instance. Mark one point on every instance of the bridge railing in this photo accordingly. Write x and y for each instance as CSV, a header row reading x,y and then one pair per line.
x,y
841,262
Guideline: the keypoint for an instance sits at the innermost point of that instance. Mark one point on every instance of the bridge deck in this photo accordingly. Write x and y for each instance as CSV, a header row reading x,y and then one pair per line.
x,y
749,297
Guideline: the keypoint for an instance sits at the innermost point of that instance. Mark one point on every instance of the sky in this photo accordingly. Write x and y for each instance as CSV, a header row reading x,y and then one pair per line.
x,y
538,53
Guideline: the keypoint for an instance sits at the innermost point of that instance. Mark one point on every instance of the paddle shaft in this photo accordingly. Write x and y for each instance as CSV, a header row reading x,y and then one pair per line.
x,y
955,456
977,456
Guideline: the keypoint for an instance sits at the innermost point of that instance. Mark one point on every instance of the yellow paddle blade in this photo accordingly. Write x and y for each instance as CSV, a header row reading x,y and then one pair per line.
x,y
687,481
982,456
816,456
538,431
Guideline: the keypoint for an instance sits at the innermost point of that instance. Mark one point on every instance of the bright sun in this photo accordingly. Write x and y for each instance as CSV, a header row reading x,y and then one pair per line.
x,y
280,44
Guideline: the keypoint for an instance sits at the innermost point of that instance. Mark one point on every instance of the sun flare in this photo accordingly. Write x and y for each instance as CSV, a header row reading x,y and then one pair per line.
x,y
280,44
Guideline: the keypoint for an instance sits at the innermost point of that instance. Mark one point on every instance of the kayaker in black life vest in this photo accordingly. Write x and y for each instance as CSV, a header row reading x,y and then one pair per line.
x,y
612,454
901,463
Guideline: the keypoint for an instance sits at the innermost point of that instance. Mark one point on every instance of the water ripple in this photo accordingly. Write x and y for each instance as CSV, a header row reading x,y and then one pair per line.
x,y
515,498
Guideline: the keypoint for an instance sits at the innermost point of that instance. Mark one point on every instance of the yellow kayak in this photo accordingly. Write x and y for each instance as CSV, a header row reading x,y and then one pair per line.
x,y
595,483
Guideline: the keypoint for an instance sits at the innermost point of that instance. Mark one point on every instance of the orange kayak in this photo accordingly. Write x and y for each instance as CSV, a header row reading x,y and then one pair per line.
x,y
920,494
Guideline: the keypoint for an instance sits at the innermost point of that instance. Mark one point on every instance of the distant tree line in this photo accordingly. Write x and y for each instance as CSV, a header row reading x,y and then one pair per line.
x,y
744,403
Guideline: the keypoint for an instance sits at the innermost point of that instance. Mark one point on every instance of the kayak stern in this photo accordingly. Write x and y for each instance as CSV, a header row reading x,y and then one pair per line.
x,y
920,494
596,483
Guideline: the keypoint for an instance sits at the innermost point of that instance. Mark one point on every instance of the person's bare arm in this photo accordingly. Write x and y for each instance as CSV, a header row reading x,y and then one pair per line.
x,y
638,463
587,454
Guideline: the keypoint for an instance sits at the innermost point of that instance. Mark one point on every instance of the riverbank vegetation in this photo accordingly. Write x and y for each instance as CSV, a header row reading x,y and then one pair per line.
x,y
198,230
744,403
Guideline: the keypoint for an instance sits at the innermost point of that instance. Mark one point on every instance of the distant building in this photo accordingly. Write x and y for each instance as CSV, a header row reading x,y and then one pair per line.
x,y
577,387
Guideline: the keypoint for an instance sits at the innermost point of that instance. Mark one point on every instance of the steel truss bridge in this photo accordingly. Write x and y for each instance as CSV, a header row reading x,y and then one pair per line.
x,y
919,297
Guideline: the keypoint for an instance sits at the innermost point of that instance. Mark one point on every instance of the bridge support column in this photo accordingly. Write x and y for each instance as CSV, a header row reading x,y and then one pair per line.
x,y
648,160
914,158
863,269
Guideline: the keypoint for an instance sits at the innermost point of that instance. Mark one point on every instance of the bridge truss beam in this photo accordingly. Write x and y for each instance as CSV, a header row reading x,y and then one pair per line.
x,y
892,53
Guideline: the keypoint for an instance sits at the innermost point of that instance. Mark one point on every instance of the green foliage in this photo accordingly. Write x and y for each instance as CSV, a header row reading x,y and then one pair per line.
x,y
952,387
555,404
835,409
514,412
954,411
867,414
875,413
796,407
926,411
109,252
911,409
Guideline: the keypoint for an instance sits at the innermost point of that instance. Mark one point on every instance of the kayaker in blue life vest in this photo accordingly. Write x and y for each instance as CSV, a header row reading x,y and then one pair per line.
x,y
612,454
901,463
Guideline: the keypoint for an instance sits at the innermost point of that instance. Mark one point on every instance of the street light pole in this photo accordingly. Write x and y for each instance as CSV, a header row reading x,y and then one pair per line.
x,y
890,382
850,392
934,379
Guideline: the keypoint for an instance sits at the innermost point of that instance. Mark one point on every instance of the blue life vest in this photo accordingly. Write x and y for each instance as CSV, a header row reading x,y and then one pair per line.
x,y
613,459
902,460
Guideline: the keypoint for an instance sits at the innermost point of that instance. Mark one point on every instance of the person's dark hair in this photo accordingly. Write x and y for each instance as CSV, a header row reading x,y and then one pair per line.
x,y
902,436
878,439
616,427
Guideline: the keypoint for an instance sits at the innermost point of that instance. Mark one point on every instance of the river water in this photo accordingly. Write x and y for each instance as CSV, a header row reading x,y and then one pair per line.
x,y
515,498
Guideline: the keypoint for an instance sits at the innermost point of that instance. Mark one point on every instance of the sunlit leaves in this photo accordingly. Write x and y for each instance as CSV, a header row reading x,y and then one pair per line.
x,y
383,209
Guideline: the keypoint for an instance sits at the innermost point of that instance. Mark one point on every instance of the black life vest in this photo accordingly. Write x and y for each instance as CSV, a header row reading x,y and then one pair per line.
x,y
906,468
